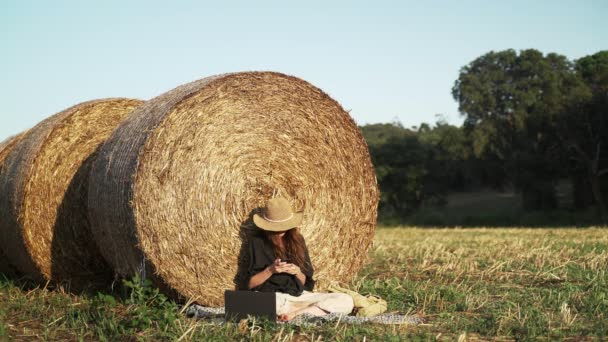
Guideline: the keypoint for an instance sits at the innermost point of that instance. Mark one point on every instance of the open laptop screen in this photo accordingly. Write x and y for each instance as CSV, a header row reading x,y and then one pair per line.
x,y
239,304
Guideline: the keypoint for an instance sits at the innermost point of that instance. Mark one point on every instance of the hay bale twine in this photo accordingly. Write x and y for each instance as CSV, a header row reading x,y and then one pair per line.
x,y
173,189
43,217
6,147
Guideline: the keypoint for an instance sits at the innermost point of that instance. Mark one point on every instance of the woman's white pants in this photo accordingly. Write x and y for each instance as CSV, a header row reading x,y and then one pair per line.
x,y
329,302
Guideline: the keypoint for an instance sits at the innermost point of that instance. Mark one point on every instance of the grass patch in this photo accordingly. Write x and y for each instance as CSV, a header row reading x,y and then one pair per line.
x,y
467,283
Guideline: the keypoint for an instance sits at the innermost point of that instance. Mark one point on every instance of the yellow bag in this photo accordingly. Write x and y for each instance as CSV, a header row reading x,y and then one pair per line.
x,y
377,306
366,306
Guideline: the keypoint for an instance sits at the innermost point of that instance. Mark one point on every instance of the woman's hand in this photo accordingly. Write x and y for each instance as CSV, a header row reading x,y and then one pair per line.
x,y
292,269
258,279
279,266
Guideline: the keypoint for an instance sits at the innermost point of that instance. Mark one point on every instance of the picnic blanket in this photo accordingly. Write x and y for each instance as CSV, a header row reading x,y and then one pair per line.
x,y
216,316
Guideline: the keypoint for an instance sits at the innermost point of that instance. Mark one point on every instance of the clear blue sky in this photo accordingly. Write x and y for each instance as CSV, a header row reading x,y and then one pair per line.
x,y
380,59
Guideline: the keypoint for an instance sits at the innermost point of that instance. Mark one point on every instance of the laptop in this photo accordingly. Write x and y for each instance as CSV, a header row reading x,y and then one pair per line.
x,y
240,304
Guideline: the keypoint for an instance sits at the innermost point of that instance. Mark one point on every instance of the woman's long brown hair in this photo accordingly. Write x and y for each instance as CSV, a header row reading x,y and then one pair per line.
x,y
292,247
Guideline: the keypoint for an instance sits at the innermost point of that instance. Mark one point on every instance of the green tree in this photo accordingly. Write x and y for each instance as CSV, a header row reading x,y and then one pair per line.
x,y
510,102
398,161
401,166
418,167
583,126
379,134
451,158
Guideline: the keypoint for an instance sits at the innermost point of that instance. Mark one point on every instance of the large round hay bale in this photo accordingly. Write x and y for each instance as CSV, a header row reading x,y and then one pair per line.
x,y
6,147
43,216
173,189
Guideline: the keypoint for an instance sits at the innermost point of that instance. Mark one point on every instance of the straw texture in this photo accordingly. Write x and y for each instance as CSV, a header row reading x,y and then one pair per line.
x,y
44,225
173,190
6,147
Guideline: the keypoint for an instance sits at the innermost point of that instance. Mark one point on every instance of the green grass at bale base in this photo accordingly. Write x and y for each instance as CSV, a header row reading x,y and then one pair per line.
x,y
499,283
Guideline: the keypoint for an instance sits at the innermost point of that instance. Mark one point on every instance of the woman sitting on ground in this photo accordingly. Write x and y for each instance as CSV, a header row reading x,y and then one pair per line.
x,y
279,262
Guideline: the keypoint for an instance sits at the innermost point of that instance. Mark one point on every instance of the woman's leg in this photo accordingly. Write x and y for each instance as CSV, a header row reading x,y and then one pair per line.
x,y
312,309
324,304
336,302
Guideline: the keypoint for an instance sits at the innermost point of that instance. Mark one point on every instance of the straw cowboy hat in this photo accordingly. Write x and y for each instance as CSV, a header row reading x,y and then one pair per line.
x,y
277,216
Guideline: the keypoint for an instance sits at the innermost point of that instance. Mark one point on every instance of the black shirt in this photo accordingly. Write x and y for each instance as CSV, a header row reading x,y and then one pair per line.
x,y
261,255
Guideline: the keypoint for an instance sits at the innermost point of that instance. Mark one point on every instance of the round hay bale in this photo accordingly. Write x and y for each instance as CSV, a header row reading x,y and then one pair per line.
x,y
43,216
6,147
173,190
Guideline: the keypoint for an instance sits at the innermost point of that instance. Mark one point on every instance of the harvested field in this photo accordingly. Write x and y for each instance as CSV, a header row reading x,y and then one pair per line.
x,y
467,284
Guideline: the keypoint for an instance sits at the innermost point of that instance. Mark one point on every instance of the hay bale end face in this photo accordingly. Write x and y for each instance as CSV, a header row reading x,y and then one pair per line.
x,y
173,189
44,227
6,147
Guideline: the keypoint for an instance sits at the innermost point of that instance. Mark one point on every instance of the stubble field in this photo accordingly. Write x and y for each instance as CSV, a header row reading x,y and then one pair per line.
x,y
467,284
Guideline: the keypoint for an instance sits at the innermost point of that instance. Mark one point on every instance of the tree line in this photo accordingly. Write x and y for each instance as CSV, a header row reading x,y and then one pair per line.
x,y
531,119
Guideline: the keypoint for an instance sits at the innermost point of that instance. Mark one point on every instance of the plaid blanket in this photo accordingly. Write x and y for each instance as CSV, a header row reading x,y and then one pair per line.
x,y
216,315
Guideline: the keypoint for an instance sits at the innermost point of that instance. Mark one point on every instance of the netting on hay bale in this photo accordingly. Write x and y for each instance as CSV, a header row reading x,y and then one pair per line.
x,y
6,147
173,189
44,227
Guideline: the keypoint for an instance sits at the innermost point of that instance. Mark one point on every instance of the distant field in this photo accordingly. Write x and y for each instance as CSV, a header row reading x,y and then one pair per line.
x,y
493,208
505,284
491,199
484,200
